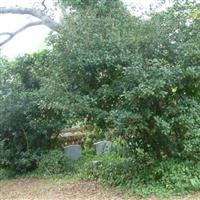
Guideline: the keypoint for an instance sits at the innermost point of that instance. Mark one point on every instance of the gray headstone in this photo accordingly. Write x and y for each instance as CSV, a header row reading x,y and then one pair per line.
x,y
102,147
73,152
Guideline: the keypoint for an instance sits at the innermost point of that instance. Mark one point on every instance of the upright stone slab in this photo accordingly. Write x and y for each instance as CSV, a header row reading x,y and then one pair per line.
x,y
102,147
73,152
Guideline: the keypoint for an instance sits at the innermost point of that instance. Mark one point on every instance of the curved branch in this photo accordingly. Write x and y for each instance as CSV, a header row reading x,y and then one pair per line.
x,y
43,4
11,35
45,20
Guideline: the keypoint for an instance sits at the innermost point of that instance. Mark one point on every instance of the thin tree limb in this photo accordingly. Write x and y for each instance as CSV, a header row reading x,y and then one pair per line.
x,y
11,35
40,14
45,19
6,33
43,4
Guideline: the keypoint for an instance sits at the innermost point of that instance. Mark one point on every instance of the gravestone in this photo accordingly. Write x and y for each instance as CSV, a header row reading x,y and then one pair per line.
x,y
102,147
73,152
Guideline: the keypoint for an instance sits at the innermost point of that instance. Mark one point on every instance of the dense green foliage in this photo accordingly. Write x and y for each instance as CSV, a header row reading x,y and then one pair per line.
x,y
131,80
161,178
138,78
26,125
54,163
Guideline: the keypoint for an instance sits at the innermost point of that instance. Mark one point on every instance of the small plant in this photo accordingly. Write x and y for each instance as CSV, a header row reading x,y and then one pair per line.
x,y
24,163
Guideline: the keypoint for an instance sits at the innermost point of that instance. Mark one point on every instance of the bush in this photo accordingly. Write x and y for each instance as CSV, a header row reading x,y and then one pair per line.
x,y
24,162
109,170
144,177
54,163
5,174
168,177
27,126
176,176
158,110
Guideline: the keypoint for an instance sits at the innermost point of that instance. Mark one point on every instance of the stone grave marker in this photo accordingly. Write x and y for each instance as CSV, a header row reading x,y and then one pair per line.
x,y
73,152
102,147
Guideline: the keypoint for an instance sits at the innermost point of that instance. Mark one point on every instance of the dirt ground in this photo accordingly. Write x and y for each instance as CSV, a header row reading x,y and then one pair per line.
x,y
49,189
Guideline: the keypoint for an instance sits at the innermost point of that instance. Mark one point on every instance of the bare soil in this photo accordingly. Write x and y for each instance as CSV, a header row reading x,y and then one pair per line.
x,y
51,189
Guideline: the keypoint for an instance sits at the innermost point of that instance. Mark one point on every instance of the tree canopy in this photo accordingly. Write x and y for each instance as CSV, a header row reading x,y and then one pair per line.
x,y
135,80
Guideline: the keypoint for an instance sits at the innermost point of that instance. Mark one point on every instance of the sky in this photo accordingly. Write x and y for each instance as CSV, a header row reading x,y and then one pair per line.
x,y
33,38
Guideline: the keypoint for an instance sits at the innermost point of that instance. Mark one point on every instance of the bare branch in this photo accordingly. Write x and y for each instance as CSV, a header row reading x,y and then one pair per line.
x,y
43,4
45,19
6,33
11,35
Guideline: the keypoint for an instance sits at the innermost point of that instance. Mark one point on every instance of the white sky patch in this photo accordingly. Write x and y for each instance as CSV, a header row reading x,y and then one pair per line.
x,y
27,41
33,38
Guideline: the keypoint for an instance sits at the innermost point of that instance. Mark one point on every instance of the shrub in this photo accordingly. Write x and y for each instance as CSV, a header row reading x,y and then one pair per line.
x,y
168,177
146,178
5,174
158,110
54,163
27,125
24,162
110,171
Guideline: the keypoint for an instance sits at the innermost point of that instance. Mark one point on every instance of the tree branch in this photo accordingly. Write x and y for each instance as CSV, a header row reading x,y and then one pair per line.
x,y
11,35
6,33
43,4
40,14
45,19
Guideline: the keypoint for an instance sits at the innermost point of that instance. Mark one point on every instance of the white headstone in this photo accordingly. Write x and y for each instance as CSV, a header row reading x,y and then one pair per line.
x,y
73,152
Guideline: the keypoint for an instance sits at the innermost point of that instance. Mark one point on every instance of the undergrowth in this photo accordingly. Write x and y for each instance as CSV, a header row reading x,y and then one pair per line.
x,y
137,176
161,178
